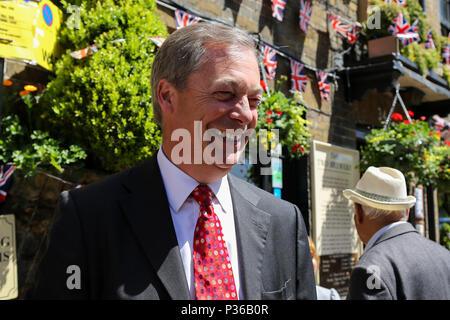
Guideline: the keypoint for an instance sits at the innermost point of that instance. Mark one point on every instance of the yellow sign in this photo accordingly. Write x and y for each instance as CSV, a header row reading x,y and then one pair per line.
x,y
8,261
28,30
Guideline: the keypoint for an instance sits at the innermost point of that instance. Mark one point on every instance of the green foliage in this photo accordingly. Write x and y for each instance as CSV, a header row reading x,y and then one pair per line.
x,y
285,114
425,59
35,151
445,235
103,102
414,149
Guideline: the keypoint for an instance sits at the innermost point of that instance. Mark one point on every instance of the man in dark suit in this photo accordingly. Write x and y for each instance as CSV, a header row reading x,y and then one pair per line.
x,y
179,226
398,263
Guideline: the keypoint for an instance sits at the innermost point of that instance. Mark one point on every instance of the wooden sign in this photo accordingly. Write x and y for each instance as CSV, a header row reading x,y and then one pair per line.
x,y
8,259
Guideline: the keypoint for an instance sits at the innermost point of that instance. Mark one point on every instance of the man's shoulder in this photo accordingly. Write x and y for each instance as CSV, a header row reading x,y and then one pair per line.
x,y
262,198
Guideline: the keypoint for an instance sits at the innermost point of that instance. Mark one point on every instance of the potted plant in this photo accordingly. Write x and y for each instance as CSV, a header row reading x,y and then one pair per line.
x,y
381,42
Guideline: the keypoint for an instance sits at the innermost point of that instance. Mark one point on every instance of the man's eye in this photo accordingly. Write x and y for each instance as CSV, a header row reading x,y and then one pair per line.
x,y
255,102
224,95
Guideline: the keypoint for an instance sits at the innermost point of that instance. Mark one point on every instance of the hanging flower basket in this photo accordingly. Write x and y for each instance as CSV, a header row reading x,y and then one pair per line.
x,y
411,147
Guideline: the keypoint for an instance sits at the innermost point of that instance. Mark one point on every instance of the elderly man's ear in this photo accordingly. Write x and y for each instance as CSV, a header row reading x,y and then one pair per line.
x,y
166,96
359,215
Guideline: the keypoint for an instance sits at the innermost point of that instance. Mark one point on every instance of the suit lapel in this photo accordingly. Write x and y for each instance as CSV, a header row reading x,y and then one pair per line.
x,y
147,210
251,232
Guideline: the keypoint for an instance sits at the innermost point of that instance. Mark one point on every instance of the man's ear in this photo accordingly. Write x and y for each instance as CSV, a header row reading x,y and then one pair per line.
x,y
166,96
359,215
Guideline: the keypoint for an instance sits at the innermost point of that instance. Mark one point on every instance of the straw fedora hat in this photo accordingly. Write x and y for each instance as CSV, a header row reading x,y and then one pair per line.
x,y
382,188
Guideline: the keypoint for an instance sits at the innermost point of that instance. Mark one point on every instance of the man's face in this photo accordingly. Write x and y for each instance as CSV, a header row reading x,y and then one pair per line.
x,y
223,94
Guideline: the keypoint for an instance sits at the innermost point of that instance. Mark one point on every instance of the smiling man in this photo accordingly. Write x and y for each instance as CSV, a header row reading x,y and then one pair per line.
x,y
179,226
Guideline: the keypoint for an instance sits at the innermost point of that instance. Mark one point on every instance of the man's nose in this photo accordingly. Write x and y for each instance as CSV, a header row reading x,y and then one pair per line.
x,y
241,111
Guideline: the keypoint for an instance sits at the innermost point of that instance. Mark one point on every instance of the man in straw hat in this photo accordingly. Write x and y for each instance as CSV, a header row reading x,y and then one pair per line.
x,y
398,263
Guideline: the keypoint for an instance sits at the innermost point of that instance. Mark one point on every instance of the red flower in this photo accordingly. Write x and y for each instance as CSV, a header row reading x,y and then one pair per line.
x,y
411,114
438,132
268,120
423,118
302,150
278,112
430,134
295,147
441,168
406,122
447,143
397,117
269,112
413,133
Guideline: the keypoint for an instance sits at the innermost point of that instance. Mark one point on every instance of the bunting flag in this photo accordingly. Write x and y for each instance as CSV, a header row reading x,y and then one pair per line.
x,y
83,53
410,36
184,19
324,87
399,26
399,2
299,80
270,61
305,14
446,54
278,9
6,171
429,43
158,41
347,31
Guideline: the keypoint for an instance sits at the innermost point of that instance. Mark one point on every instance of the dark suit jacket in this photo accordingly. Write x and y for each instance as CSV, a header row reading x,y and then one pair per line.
x,y
407,266
119,232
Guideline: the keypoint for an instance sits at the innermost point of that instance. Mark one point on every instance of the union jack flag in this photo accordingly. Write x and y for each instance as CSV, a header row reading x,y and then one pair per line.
x,y
278,9
400,2
184,19
446,54
299,80
158,41
83,53
270,61
324,87
305,14
411,35
6,171
399,26
429,43
347,31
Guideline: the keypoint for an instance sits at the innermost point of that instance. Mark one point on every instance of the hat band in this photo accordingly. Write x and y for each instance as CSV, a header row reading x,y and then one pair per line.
x,y
379,197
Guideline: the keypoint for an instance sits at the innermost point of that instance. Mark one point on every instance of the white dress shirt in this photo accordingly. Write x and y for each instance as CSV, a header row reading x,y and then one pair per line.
x,y
185,211
380,232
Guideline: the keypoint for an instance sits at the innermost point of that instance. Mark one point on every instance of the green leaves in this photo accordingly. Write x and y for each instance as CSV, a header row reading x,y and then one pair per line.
x,y
285,114
413,148
103,102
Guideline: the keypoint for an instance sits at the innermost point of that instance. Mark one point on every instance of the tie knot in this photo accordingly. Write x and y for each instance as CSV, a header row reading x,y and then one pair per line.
x,y
203,195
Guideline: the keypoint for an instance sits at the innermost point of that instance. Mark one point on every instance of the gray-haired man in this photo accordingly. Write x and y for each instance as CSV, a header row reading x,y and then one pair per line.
x,y
398,263
178,226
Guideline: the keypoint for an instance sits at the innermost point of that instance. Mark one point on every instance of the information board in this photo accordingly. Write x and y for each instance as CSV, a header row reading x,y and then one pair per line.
x,y
8,261
334,234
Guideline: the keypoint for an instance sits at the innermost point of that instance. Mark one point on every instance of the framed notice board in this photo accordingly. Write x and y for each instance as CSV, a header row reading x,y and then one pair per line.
x,y
334,234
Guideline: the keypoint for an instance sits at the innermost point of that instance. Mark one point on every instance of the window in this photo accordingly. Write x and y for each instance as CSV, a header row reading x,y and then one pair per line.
x,y
444,12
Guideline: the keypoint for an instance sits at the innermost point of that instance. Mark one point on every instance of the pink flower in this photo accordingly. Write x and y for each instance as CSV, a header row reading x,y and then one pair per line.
x,y
423,118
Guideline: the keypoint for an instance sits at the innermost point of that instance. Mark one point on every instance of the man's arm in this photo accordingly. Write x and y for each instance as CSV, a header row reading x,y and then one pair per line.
x,y
62,273
306,286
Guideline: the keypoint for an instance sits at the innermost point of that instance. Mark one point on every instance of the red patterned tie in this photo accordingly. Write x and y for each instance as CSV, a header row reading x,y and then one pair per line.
x,y
213,276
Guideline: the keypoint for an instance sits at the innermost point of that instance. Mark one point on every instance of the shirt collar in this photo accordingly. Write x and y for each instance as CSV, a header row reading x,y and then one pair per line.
x,y
179,185
380,232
